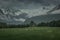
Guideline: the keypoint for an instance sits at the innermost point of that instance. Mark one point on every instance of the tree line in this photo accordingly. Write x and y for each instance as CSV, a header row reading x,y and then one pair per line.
x,y
32,24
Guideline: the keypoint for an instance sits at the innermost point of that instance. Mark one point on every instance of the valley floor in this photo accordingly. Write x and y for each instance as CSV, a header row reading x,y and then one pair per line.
x,y
32,33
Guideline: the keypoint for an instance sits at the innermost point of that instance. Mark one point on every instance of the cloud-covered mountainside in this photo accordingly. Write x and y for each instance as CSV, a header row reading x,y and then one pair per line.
x,y
18,11
43,18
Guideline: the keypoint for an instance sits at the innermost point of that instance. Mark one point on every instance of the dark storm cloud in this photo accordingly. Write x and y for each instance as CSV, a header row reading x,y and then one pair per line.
x,y
54,9
31,7
41,1
25,3
17,2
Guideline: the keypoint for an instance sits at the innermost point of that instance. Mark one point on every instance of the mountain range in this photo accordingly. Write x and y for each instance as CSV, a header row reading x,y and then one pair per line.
x,y
43,18
23,18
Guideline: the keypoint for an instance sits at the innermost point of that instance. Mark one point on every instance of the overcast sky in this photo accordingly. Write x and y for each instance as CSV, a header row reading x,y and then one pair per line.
x,y
30,7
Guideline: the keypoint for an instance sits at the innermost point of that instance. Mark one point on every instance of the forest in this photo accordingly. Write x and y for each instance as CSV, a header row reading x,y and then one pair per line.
x,y
32,24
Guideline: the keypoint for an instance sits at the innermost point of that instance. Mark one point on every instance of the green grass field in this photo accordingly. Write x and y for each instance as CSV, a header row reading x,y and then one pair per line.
x,y
35,33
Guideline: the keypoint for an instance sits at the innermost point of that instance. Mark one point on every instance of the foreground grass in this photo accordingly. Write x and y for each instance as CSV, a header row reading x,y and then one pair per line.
x,y
35,33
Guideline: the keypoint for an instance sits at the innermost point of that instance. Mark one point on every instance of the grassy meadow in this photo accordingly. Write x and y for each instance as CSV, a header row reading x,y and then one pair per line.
x,y
31,33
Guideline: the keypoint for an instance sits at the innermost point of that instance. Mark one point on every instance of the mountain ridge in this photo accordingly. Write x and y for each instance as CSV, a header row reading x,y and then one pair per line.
x,y
43,18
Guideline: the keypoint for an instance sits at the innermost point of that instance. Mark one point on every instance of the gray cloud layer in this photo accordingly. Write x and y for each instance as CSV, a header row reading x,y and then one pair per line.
x,y
25,3
29,7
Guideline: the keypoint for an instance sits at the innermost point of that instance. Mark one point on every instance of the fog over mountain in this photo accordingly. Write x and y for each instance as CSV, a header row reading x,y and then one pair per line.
x,y
20,10
43,18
